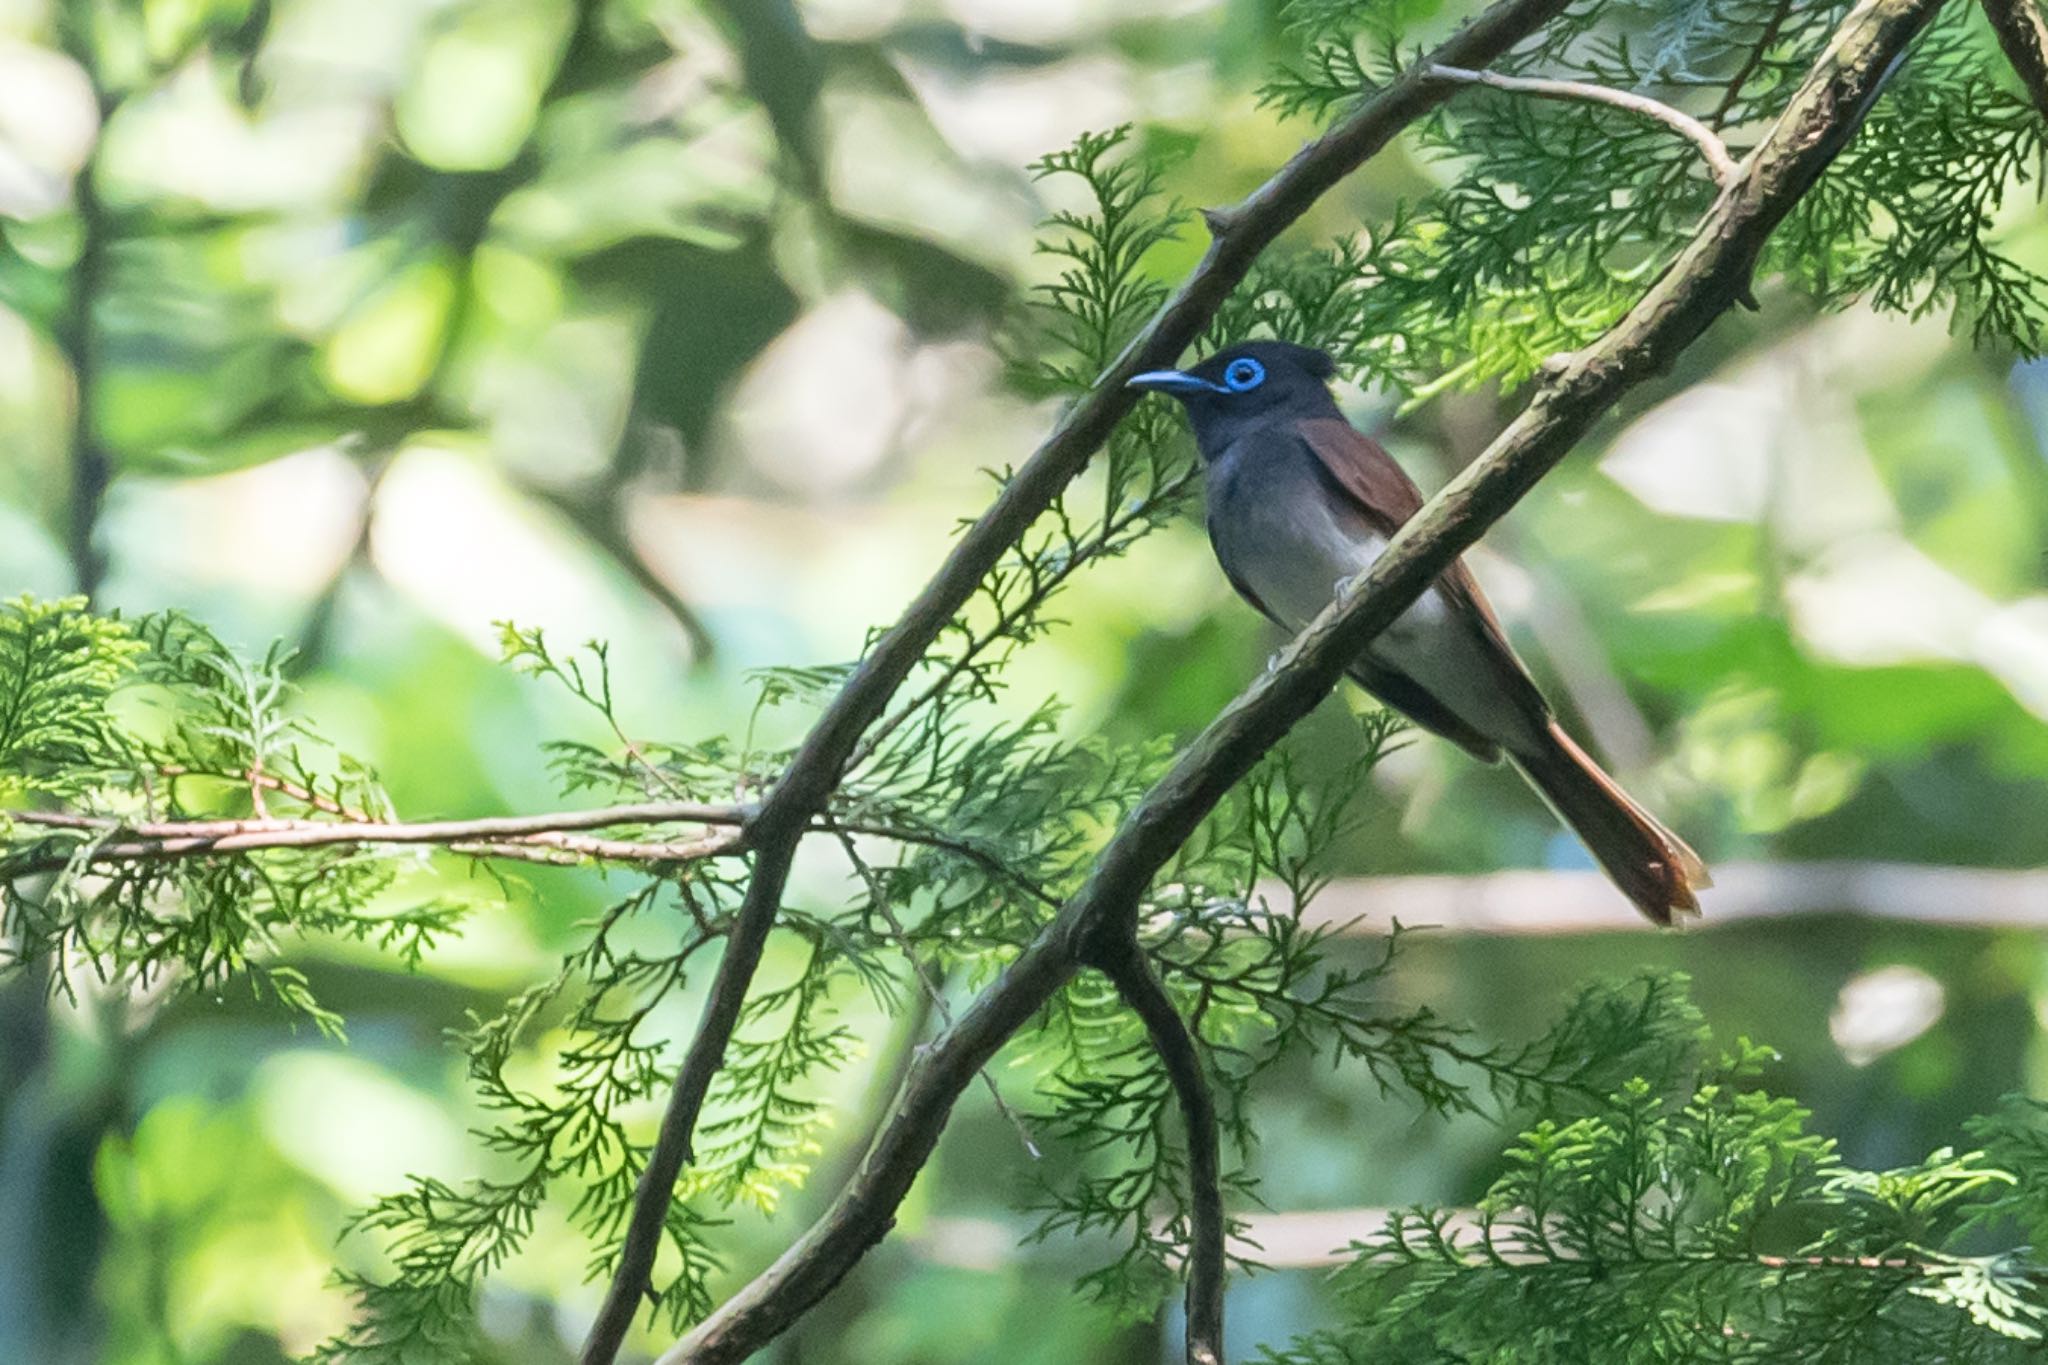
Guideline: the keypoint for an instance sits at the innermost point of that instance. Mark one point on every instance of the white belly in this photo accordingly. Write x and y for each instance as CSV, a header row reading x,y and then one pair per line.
x,y
1301,561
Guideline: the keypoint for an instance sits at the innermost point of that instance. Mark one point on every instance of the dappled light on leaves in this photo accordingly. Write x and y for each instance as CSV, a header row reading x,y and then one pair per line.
x,y
595,926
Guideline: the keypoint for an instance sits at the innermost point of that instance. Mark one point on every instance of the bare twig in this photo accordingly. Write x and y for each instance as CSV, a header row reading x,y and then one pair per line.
x,y
1685,125
549,838
1757,52
548,847
1141,989
304,795
1239,236
2023,32
159,840
1097,924
878,897
1303,1239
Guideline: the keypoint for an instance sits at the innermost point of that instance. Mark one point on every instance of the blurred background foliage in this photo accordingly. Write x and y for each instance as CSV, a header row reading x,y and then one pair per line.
x,y
367,323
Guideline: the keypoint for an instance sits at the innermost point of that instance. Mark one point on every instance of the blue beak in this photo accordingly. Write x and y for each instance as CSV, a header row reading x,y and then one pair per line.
x,y
1172,381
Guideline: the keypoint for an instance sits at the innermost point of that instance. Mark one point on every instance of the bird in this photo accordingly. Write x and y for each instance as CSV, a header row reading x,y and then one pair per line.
x,y
1299,501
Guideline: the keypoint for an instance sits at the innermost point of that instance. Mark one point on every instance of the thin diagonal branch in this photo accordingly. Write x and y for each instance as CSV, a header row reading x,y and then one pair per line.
x,y
878,897
1007,620
1140,988
2023,32
1757,52
1097,925
1685,125
1239,236
600,519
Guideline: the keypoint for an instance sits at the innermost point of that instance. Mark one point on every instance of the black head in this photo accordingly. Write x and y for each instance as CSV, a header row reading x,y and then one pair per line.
x,y
1246,386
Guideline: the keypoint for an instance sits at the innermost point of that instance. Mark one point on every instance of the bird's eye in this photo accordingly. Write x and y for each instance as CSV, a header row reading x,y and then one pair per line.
x,y
1244,373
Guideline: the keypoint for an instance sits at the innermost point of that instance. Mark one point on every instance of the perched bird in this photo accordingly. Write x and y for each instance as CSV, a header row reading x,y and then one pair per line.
x,y
1299,501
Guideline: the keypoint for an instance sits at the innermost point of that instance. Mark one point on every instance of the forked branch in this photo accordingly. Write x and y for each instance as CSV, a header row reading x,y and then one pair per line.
x,y
1097,925
805,787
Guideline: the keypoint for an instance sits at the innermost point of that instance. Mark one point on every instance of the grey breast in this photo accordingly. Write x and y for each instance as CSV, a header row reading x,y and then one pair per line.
x,y
1279,530
1282,529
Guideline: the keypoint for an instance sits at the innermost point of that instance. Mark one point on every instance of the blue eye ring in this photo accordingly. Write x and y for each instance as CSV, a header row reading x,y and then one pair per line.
x,y
1243,374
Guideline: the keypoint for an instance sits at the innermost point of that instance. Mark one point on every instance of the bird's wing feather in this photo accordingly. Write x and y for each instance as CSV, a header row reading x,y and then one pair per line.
x,y
1420,705
1390,685
1381,491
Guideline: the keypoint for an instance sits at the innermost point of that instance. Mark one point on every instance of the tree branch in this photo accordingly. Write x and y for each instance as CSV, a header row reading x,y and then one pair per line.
x,y
1321,1238
1140,988
128,841
600,519
878,897
1757,52
1685,125
1097,924
1238,236
2023,33
549,837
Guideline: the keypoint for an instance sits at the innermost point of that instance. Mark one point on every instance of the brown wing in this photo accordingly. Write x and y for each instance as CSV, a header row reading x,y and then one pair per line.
x,y
1394,688
1416,702
1387,498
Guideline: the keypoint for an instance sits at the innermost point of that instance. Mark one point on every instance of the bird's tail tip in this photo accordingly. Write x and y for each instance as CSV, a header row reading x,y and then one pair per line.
x,y
1654,868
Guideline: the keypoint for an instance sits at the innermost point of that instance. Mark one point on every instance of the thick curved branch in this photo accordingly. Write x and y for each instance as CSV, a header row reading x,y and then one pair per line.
x,y
1685,125
1239,235
2023,32
1096,925
1140,988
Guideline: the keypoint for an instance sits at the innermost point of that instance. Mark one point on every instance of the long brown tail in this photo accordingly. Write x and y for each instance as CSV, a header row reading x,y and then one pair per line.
x,y
1652,866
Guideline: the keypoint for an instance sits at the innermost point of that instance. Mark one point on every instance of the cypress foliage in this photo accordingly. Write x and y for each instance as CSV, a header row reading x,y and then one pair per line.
x,y
1658,1203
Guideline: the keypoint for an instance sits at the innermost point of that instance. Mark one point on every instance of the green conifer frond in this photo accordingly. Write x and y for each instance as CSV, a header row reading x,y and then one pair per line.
x,y
59,668
1705,1223
1656,1205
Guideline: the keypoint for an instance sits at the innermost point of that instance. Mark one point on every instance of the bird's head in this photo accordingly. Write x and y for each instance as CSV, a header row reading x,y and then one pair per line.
x,y
1246,386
